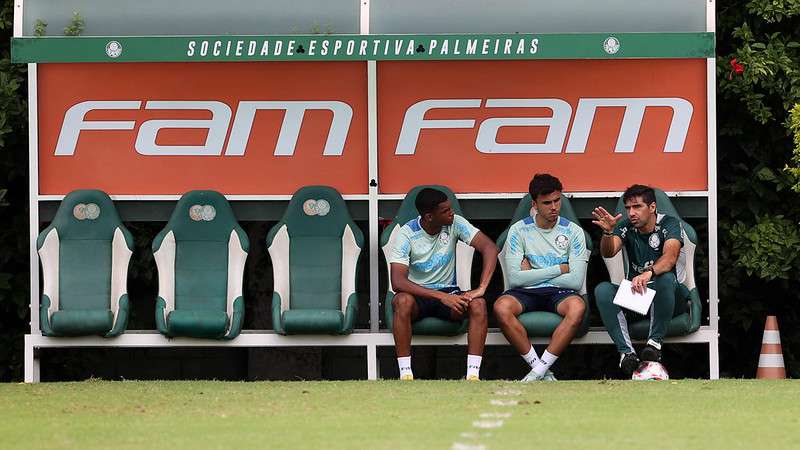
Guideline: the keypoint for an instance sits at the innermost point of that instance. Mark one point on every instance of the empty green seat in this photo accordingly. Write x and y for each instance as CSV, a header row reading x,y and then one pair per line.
x,y
543,323
200,256
85,254
314,251
408,211
688,307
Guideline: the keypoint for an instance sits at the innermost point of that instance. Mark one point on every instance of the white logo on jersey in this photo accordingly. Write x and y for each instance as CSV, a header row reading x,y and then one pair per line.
x,y
444,237
562,242
654,241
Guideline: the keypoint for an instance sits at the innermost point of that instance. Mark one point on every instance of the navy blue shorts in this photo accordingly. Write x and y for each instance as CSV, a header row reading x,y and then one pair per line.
x,y
540,299
430,307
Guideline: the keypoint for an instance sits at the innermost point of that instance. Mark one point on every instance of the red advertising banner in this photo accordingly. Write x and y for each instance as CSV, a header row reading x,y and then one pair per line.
x,y
238,128
267,128
487,126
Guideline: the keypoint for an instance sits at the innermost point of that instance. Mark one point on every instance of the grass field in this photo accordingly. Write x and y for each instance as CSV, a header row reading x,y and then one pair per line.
x,y
728,414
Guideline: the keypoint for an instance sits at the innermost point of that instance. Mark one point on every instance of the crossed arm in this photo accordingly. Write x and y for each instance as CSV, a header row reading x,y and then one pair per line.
x,y
521,274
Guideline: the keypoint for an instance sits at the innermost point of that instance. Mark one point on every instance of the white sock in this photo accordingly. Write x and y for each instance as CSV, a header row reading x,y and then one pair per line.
x,y
474,365
530,357
404,363
541,366
654,344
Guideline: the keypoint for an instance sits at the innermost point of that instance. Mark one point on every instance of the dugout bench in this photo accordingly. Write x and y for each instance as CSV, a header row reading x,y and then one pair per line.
x,y
432,335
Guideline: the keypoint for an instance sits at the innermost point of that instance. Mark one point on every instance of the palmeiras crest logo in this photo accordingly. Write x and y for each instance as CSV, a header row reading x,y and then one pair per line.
x,y
562,242
113,49
611,45
654,241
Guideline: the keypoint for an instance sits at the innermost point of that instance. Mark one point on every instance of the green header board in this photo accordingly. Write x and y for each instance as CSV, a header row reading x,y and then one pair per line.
x,y
362,47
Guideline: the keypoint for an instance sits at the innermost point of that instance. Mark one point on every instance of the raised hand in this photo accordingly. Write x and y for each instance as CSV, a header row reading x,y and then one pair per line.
x,y
604,219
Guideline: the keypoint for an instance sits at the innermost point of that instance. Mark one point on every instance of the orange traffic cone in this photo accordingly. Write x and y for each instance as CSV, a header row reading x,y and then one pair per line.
x,y
770,362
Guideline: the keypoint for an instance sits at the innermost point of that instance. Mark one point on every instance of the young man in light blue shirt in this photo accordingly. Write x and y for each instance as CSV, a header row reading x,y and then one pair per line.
x,y
423,275
546,260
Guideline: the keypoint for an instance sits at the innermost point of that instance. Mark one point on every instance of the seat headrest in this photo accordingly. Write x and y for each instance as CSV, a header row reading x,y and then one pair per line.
x,y
524,210
663,205
408,210
86,214
202,216
317,211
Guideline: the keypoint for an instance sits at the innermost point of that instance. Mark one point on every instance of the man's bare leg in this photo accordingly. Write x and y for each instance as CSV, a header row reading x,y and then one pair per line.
x,y
507,309
572,309
405,311
476,336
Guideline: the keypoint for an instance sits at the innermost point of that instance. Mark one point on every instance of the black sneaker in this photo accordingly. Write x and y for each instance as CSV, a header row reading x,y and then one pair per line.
x,y
629,363
650,353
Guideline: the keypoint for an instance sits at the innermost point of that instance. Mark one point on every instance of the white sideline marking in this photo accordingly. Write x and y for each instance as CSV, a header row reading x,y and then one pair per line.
x,y
509,392
460,446
474,435
487,423
495,415
496,402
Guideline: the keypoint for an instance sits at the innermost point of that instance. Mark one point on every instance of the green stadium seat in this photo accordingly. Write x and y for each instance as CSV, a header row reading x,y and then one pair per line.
x,y
688,308
543,323
314,250
431,326
85,254
200,256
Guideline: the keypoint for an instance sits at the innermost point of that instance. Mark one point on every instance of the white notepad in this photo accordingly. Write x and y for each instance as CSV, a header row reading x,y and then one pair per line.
x,y
628,299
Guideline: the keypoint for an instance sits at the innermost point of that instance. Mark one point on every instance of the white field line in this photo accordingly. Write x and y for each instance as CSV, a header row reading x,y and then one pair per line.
x,y
495,415
498,402
460,446
475,435
485,424
489,420
508,392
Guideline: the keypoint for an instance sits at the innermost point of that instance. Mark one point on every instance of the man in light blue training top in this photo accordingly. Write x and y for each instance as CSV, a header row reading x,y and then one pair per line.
x,y
423,275
546,261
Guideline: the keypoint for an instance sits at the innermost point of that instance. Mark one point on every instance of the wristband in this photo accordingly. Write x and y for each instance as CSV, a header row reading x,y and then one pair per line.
x,y
606,233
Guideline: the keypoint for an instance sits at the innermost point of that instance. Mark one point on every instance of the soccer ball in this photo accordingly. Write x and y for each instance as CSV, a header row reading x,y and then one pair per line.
x,y
650,370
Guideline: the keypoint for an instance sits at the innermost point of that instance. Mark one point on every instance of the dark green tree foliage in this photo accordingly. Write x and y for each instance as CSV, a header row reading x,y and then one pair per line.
x,y
14,284
759,271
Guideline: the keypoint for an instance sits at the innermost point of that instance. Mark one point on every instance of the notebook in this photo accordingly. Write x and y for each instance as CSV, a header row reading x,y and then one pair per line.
x,y
633,301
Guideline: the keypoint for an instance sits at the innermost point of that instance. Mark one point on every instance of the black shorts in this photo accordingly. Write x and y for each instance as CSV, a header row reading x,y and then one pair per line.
x,y
430,307
540,299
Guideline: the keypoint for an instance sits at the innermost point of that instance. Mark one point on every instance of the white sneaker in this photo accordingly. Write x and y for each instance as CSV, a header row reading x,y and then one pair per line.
x,y
530,377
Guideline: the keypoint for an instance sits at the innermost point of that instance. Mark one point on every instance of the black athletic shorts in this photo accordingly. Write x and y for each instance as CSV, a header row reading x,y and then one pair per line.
x,y
540,299
430,307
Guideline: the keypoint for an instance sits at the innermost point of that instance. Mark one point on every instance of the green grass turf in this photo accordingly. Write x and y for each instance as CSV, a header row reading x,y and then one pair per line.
x,y
728,414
